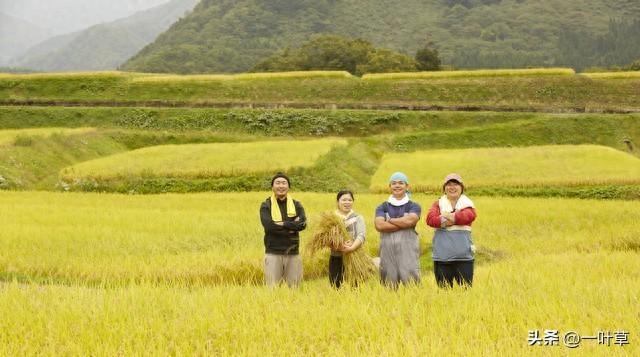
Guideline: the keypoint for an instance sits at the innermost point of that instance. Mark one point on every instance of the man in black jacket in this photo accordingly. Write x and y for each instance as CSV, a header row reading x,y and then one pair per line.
x,y
282,218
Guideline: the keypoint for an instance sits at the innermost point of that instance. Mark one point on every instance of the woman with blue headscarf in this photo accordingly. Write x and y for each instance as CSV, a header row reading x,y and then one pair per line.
x,y
396,220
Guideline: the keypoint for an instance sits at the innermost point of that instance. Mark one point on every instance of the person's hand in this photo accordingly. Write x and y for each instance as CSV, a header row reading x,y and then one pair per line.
x,y
448,223
279,223
344,247
297,219
347,248
449,216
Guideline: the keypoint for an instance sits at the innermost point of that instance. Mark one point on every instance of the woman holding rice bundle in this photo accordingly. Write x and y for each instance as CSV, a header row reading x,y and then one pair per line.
x,y
356,228
396,220
453,249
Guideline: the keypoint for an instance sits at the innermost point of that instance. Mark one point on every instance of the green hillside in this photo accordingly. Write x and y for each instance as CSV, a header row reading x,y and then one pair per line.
x,y
232,36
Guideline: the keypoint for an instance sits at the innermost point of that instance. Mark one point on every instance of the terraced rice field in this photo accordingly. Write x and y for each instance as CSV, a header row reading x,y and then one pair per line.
x,y
473,73
204,160
534,166
181,274
9,136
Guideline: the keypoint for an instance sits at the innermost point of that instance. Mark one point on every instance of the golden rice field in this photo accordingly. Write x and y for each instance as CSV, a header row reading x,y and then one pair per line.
x,y
534,166
134,77
9,136
217,237
241,76
103,274
473,73
610,75
205,160
54,75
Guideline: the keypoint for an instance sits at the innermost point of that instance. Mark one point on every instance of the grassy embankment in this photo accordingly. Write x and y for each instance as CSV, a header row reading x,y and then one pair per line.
x,y
122,129
514,90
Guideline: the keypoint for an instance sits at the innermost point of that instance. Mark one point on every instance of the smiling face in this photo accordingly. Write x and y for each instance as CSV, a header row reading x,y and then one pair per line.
x,y
280,187
345,203
398,189
453,190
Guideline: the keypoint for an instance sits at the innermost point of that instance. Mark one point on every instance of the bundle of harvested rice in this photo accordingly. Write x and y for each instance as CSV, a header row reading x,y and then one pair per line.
x,y
331,233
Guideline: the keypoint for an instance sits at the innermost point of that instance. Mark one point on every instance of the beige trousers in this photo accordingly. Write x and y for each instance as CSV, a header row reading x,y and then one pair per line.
x,y
279,267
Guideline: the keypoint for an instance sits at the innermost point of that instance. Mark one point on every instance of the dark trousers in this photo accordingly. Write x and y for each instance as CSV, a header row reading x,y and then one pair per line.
x,y
336,271
447,272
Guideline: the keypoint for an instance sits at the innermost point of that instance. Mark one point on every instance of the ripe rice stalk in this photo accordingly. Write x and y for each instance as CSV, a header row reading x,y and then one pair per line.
x,y
242,76
331,233
473,73
612,75
56,75
9,136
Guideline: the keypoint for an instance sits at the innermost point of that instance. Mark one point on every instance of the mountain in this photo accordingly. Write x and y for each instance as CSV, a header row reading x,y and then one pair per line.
x,y
234,35
16,35
104,46
64,16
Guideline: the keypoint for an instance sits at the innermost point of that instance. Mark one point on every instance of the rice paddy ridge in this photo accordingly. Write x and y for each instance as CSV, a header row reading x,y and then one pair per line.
x,y
119,130
546,90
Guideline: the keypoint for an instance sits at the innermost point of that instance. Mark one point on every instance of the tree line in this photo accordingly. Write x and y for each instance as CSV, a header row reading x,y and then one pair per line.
x,y
356,56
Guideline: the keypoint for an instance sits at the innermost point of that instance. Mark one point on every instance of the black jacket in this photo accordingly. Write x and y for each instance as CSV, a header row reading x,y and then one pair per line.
x,y
282,239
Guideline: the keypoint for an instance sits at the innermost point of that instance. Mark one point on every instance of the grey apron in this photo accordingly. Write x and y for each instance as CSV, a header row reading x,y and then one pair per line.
x,y
399,257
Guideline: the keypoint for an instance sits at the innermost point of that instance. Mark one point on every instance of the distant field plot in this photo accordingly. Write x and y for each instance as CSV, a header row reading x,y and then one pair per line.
x,y
243,76
58,75
612,75
205,160
10,136
473,73
563,165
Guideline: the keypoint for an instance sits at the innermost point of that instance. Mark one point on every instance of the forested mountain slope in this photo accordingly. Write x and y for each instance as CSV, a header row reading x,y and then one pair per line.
x,y
232,36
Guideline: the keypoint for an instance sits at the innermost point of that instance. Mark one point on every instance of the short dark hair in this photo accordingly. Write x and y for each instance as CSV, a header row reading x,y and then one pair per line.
x,y
345,192
280,175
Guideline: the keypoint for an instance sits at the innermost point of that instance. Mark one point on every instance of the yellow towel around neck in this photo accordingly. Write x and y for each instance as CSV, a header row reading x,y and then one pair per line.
x,y
276,216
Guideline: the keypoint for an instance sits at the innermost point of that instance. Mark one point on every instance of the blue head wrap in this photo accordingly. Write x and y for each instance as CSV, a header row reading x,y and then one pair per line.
x,y
399,176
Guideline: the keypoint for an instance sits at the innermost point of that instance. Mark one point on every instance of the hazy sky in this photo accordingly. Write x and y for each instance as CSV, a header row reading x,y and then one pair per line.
x,y
62,16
